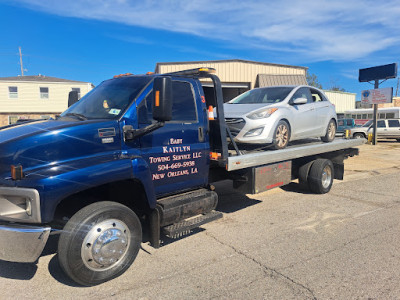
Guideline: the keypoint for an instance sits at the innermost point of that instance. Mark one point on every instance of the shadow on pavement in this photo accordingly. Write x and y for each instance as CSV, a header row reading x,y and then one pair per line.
x,y
295,188
230,200
58,274
19,271
26,271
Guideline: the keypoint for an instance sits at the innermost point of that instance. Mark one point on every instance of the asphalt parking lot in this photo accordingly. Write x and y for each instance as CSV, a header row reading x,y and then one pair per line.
x,y
281,244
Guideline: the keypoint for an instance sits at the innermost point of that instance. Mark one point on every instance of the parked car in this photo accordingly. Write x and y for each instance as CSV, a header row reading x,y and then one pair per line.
x,y
345,124
386,129
279,114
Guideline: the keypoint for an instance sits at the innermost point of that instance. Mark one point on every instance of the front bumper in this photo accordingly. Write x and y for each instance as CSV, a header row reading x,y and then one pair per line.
x,y
22,243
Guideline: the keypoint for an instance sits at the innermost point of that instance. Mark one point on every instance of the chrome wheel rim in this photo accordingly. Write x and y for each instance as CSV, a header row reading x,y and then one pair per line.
x,y
282,136
331,130
105,245
326,177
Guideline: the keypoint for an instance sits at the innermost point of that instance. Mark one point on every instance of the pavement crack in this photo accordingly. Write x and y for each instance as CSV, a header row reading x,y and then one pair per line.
x,y
270,272
339,247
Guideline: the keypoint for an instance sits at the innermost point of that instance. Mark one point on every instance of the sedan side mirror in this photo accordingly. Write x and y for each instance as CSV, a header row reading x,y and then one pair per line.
x,y
162,101
299,101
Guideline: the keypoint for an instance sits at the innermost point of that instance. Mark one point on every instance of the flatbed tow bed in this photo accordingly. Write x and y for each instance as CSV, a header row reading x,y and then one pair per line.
x,y
297,150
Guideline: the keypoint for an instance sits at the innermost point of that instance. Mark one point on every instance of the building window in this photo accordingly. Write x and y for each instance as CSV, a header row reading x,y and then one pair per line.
x,y
389,115
13,92
12,119
78,90
44,93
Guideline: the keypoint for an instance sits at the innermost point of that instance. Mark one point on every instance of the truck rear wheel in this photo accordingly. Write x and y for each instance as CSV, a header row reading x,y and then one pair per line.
x,y
320,178
99,242
304,171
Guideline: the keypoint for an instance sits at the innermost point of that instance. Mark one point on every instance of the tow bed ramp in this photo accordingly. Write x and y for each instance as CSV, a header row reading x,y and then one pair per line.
x,y
296,151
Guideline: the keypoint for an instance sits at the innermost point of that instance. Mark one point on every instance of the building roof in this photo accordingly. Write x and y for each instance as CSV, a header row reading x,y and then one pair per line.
x,y
264,80
225,61
39,78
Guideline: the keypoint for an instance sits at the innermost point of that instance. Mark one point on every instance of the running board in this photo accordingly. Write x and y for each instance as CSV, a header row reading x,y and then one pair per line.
x,y
184,227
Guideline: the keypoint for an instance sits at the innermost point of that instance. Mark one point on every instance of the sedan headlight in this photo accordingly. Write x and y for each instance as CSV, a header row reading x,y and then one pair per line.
x,y
265,113
254,132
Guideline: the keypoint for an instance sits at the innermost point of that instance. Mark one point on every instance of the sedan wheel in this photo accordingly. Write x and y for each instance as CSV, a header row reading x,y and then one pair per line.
x,y
281,135
330,132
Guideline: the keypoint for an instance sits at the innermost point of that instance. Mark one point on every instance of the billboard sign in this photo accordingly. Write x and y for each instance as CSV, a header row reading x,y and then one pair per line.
x,y
377,96
378,73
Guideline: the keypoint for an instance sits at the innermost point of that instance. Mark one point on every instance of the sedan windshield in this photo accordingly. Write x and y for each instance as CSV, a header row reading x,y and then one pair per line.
x,y
262,95
108,100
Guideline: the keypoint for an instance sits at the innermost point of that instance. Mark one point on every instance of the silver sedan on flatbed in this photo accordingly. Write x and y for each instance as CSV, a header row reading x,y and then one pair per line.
x,y
279,114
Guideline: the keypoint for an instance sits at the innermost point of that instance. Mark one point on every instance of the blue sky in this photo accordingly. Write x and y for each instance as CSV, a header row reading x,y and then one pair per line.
x,y
92,40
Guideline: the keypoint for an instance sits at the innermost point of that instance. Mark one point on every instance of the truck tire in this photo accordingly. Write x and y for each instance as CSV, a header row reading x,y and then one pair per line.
x,y
320,178
281,135
330,132
359,136
99,242
304,170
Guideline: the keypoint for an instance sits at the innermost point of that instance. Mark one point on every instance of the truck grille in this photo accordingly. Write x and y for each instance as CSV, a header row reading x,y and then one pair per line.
x,y
235,125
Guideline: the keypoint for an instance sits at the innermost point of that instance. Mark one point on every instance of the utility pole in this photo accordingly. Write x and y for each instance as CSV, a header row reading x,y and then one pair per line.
x,y
397,89
20,61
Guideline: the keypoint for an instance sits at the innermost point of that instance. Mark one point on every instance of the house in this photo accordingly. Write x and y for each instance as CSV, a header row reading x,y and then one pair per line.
x,y
36,97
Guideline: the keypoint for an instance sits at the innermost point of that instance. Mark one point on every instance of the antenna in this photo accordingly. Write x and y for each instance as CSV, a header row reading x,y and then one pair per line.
x,y
20,61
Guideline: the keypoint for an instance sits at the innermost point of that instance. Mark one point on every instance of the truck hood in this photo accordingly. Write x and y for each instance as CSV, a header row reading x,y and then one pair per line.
x,y
41,144
241,110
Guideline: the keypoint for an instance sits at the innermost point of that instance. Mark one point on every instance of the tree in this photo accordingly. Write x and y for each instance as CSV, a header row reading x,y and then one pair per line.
x,y
337,88
312,80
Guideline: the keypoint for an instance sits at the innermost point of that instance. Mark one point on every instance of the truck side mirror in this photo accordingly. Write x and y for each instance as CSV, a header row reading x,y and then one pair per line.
x,y
72,98
162,101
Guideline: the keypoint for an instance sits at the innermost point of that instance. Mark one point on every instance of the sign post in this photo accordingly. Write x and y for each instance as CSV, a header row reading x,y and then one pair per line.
x,y
376,97
375,74
375,122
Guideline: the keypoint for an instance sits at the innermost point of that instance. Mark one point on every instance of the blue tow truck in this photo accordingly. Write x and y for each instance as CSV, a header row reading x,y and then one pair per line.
x,y
136,154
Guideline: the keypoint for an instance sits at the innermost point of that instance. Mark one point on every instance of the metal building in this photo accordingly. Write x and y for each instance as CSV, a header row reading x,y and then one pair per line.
x,y
343,101
238,76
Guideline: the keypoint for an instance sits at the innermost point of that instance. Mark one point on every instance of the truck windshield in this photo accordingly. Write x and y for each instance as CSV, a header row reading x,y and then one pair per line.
x,y
262,95
109,99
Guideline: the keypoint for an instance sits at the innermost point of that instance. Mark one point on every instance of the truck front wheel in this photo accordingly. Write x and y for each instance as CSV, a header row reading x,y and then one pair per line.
x,y
320,178
99,242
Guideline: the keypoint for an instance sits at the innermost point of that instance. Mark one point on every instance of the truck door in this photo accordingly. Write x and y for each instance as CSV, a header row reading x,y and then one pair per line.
x,y
178,152
381,129
394,129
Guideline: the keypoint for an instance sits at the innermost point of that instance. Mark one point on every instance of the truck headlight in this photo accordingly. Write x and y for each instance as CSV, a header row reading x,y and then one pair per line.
x,y
19,204
264,113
